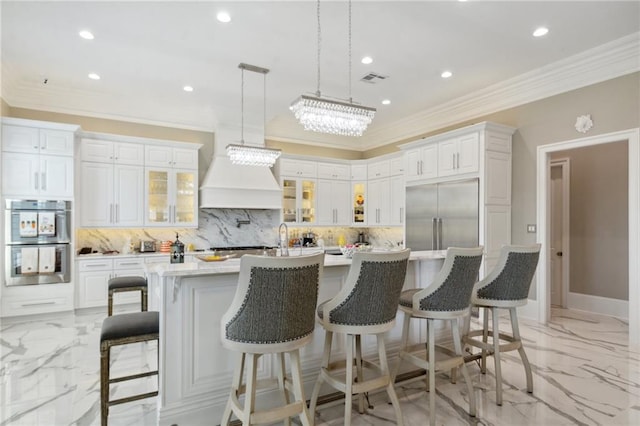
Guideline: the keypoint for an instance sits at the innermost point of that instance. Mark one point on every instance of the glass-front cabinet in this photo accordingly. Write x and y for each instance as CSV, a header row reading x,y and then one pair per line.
x,y
298,200
171,197
358,203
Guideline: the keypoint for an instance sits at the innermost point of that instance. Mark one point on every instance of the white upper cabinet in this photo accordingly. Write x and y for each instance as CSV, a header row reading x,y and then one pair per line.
x,y
459,155
103,151
422,162
111,195
396,165
165,156
359,172
35,140
333,171
378,169
33,175
37,161
298,168
333,200
171,197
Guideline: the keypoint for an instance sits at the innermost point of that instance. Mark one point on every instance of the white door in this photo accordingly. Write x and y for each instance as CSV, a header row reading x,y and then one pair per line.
x,y
56,176
342,202
325,210
96,195
128,197
20,174
557,205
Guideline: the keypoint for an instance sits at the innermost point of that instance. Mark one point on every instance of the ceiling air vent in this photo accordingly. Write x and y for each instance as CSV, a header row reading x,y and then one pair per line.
x,y
373,78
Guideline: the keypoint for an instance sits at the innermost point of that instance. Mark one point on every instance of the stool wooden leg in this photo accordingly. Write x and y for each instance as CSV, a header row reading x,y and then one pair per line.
x,y
250,395
143,300
348,393
496,354
298,387
104,383
485,334
328,338
359,373
457,344
403,344
384,367
431,359
235,388
110,303
523,355
282,383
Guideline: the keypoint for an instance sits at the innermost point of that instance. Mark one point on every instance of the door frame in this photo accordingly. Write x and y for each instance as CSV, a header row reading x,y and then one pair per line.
x,y
543,290
565,165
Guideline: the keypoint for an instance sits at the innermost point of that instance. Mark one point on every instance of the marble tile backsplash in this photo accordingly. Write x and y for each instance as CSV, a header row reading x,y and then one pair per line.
x,y
229,227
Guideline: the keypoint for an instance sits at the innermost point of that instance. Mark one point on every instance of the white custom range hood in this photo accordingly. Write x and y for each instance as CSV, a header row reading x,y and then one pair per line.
x,y
232,186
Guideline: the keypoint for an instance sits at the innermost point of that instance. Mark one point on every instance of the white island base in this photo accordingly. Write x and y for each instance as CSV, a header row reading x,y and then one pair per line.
x,y
196,371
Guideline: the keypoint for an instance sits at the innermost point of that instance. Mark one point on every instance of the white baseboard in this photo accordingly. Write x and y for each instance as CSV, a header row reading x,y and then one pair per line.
x,y
599,305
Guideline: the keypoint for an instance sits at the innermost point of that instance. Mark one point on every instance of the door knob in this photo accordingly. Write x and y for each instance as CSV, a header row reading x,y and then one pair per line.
x,y
559,254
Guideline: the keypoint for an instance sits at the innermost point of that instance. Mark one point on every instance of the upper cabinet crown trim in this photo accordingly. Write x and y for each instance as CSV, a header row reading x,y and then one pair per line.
x,y
141,140
484,126
40,124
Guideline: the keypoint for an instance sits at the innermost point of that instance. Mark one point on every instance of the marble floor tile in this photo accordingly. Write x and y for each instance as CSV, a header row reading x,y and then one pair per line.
x,y
584,373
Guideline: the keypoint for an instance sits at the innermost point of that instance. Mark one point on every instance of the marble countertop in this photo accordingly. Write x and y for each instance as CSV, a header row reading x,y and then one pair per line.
x,y
231,266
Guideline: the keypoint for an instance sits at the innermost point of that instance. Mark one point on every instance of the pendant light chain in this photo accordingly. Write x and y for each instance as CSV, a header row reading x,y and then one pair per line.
x,y
319,41
350,98
242,106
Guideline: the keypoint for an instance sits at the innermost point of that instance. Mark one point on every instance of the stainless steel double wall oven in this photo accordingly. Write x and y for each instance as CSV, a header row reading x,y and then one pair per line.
x,y
37,242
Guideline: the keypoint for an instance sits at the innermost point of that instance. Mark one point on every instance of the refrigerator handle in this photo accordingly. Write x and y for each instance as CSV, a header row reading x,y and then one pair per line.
x,y
439,233
434,234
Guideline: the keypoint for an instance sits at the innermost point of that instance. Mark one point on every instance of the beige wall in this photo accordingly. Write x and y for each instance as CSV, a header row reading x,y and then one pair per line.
x,y
4,108
301,149
599,231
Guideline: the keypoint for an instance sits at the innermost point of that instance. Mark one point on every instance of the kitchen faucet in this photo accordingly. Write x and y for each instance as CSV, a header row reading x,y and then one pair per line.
x,y
284,244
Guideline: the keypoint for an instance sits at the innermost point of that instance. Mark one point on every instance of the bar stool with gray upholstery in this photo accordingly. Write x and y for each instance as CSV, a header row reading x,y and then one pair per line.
x,y
447,298
124,329
272,312
367,303
506,287
128,283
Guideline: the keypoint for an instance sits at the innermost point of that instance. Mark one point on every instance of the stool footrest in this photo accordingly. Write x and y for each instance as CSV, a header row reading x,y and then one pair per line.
x,y
133,377
133,398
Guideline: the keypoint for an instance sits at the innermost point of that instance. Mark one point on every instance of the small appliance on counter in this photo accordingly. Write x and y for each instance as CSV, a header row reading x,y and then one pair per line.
x,y
309,239
147,246
177,251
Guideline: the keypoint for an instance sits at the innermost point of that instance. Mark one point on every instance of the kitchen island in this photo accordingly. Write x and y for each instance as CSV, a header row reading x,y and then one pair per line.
x,y
196,371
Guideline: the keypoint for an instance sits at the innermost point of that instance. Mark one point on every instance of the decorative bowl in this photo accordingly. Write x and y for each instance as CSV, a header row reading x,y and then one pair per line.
x,y
347,251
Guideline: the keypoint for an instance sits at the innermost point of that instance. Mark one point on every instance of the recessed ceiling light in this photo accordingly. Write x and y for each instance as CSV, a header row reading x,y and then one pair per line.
x,y
87,35
94,76
539,32
446,74
223,17
187,89
386,102
367,60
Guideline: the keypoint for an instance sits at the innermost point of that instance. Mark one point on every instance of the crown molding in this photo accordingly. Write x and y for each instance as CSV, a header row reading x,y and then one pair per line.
x,y
605,62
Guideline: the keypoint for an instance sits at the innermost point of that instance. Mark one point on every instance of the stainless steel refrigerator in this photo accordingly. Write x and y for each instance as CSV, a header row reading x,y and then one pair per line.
x,y
442,215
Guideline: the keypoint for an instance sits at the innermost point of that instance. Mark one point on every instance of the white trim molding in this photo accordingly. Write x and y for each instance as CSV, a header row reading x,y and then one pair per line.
x,y
632,136
599,305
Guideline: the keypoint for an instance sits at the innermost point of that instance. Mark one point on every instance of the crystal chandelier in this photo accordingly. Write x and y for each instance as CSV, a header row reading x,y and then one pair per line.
x,y
324,115
251,155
